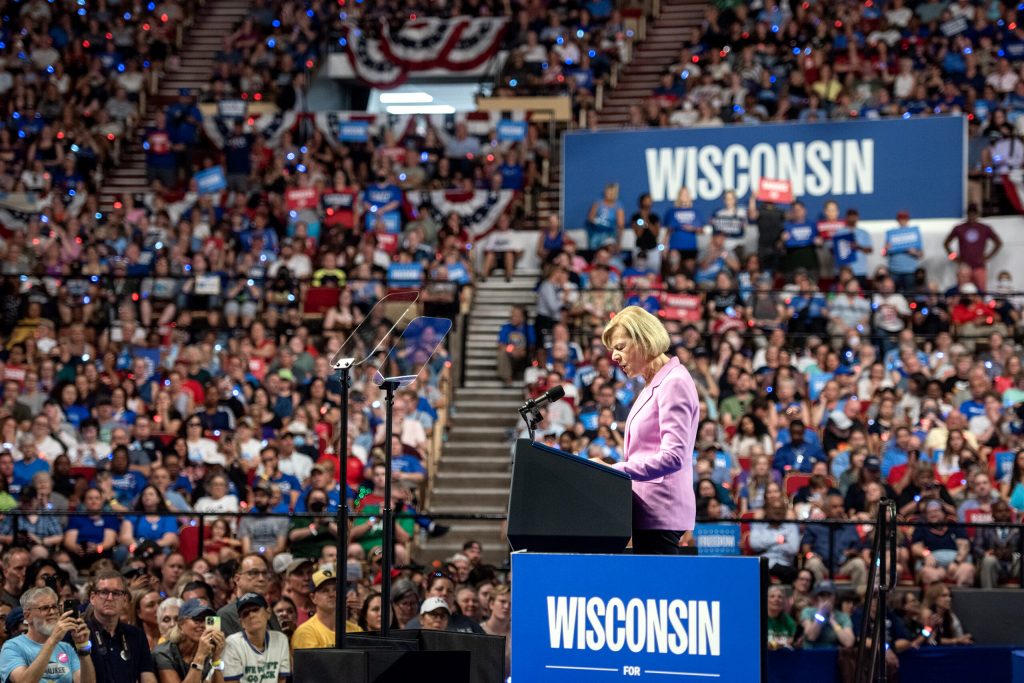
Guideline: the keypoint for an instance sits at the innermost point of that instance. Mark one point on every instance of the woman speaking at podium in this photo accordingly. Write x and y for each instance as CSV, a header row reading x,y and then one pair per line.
x,y
660,432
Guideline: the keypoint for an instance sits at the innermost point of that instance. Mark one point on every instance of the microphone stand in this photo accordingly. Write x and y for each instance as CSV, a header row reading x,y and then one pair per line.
x,y
388,514
532,418
341,603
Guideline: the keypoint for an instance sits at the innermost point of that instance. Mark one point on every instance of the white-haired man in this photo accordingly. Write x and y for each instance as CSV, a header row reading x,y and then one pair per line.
x,y
41,654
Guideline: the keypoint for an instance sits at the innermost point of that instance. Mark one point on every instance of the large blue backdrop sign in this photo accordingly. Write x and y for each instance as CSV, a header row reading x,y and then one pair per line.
x,y
878,167
604,617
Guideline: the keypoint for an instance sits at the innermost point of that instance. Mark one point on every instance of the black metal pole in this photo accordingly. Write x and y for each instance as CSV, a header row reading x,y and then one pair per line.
x,y
1020,556
831,550
864,657
387,514
883,589
341,568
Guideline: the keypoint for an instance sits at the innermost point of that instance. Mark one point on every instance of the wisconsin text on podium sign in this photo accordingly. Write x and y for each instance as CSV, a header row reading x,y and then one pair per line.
x,y
690,627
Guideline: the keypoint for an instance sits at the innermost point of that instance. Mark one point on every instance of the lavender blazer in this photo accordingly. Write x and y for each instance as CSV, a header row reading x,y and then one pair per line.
x,y
660,433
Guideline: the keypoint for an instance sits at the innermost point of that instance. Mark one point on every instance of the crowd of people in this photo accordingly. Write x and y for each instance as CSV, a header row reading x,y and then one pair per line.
x,y
160,618
74,82
824,388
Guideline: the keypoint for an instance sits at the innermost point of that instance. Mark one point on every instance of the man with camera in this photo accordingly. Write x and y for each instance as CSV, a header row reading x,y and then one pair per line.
x,y
41,653
120,651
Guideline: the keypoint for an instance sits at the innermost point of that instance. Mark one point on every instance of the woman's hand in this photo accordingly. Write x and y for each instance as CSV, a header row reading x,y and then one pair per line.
x,y
206,645
217,638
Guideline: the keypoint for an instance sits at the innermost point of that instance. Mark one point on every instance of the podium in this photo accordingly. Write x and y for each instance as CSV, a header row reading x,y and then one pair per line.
x,y
563,503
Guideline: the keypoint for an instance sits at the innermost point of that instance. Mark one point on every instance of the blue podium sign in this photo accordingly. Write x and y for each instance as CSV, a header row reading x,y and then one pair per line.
x,y
583,618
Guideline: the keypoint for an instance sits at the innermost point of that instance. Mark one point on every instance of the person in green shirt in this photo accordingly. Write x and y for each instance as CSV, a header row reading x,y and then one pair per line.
x,y
307,536
781,626
735,406
824,625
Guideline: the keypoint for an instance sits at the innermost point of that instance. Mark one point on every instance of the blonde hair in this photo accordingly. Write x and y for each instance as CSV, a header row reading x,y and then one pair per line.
x,y
500,589
644,329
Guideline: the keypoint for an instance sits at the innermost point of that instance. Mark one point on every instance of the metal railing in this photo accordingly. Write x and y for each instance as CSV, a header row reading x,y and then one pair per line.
x,y
202,519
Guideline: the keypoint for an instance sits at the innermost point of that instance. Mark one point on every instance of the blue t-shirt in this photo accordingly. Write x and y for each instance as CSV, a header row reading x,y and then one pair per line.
x,y
91,530
286,483
24,472
127,486
970,408
678,218
380,195
145,530
798,458
21,651
511,176
409,464
519,337
893,456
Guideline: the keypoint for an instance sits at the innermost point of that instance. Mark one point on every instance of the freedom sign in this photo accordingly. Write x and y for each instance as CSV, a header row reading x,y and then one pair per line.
x,y
211,180
582,618
878,167
900,240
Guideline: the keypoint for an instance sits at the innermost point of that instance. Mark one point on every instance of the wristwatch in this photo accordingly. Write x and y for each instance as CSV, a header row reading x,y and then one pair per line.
x,y
197,667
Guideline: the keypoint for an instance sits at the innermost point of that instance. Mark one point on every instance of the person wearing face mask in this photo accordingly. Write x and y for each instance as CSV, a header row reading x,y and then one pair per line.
x,y
308,535
257,531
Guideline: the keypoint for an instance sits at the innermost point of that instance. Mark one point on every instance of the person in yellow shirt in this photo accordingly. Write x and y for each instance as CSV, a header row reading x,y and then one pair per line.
x,y
318,630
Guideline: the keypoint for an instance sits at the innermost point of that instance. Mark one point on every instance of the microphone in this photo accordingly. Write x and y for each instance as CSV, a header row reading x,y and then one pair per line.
x,y
550,396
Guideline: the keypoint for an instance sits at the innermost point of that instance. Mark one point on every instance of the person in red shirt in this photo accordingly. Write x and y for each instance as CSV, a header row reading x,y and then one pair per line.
x,y
972,238
974,317
971,308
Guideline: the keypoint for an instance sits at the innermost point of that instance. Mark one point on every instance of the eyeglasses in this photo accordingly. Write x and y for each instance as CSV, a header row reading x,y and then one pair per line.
x,y
195,424
46,609
255,573
110,594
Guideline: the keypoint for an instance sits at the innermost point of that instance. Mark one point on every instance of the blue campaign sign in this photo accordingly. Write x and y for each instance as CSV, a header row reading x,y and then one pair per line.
x,y
354,131
405,274
582,618
717,539
801,235
843,248
392,221
857,163
211,180
1004,463
458,273
511,131
899,240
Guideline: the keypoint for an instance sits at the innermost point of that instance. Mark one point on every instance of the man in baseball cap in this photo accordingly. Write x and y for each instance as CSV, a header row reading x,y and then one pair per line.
x,y
318,630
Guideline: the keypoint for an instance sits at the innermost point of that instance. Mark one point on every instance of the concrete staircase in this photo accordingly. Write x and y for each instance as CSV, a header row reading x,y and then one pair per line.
x,y
547,200
665,36
475,468
192,69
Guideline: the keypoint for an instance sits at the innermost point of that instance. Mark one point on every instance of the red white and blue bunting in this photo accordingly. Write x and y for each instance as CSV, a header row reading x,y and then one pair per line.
x,y
456,44
479,209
